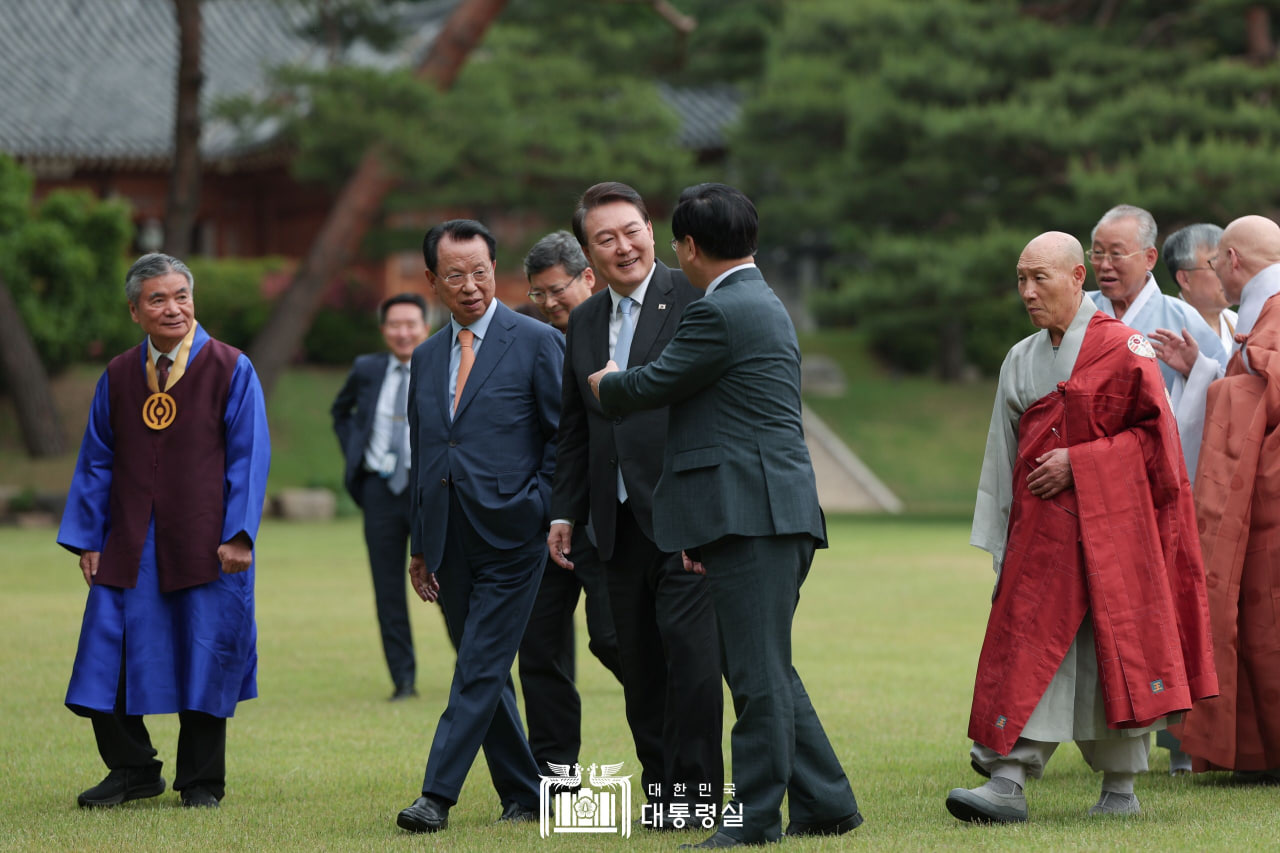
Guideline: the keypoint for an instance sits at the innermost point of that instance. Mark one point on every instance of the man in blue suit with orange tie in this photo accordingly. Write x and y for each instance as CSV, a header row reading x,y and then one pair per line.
x,y
484,407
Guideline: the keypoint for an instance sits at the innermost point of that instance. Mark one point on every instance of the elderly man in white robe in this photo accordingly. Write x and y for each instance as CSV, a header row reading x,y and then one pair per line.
x,y
1123,255
1186,253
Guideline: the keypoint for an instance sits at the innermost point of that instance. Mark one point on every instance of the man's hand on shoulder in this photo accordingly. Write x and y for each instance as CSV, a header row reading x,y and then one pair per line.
x,y
594,379
236,554
1053,476
424,583
89,564
1178,351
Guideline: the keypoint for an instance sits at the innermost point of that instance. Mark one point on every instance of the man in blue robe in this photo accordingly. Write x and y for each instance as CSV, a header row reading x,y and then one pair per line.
x,y
163,511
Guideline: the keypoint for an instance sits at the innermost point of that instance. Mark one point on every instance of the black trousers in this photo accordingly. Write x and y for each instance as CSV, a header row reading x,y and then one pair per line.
x,y
553,708
779,744
386,535
670,656
123,742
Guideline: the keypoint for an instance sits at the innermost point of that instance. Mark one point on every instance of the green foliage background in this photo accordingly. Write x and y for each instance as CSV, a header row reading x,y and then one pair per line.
x,y
919,145
63,261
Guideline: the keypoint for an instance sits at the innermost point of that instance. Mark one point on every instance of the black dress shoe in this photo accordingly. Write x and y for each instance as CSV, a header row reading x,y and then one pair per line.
x,y
835,827
403,691
715,842
516,813
120,786
199,798
425,815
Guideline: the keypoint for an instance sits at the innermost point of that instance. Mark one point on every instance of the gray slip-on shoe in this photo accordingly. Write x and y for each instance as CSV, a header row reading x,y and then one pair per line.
x,y
998,801
1111,803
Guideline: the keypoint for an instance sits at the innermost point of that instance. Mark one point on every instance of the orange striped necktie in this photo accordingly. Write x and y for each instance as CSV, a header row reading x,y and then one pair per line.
x,y
465,360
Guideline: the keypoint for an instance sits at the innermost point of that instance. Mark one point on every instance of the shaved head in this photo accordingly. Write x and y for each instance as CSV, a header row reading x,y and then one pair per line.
x,y
1249,245
1255,237
1059,246
1051,278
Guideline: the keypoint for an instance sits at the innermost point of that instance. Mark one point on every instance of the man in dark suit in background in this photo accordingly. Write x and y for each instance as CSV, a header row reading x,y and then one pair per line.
x,y
369,418
484,403
737,485
559,281
606,469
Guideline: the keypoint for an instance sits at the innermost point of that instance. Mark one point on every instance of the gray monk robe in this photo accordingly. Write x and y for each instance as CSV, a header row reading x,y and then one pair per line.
x,y
1072,706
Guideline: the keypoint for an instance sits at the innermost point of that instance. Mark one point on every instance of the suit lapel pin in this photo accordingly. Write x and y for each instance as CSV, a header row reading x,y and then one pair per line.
x,y
662,306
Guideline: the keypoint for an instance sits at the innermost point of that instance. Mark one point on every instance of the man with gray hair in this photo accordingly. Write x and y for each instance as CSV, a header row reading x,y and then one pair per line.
x,y
1123,255
163,512
1186,254
559,281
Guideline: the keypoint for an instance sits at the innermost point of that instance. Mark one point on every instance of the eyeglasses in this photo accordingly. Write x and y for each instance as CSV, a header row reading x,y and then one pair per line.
x,y
459,279
1097,257
674,243
557,290
1213,262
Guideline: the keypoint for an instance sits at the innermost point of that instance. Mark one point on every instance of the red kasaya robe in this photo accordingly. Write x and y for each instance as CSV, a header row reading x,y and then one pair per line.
x,y
1120,544
1238,505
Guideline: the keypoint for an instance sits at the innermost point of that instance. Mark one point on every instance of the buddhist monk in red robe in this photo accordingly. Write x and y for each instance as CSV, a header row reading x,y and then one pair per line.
x,y
1237,486
1098,630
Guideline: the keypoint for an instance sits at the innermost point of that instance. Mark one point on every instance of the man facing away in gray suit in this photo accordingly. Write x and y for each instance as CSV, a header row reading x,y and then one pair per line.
x,y
737,493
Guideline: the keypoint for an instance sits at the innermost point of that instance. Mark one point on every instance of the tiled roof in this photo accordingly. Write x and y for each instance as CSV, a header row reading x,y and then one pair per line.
x,y
92,81
705,113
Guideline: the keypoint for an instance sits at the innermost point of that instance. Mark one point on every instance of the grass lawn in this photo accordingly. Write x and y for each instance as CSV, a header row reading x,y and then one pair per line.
x,y
886,638
922,437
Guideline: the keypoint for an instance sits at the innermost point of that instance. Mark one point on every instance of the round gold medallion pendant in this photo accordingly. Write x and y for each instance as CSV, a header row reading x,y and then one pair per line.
x,y
159,410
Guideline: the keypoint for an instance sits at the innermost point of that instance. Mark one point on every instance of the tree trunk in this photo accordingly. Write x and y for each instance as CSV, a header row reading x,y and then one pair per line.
x,y
358,204
183,202
951,358
1257,23
28,383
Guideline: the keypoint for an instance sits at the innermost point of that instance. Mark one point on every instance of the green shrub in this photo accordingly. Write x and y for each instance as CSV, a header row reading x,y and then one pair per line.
x,y
63,261
342,332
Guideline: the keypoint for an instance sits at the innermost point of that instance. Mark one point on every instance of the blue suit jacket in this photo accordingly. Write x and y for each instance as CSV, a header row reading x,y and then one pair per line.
x,y
498,451
353,411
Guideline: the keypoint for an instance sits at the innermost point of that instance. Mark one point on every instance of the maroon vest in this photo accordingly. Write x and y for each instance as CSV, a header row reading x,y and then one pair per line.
x,y
176,474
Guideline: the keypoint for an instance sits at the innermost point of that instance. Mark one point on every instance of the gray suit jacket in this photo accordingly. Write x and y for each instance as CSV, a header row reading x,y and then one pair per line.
x,y
735,462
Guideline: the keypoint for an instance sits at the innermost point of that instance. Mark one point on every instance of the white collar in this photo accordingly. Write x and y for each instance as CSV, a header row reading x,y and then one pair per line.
x,y
1260,288
715,282
637,295
1149,290
155,353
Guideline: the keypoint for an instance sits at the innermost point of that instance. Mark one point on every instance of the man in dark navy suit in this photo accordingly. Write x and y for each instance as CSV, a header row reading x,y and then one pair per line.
x,y
606,471
560,280
484,407
369,417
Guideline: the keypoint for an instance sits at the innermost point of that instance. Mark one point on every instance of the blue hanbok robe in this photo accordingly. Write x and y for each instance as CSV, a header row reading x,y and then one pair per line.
x,y
193,649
